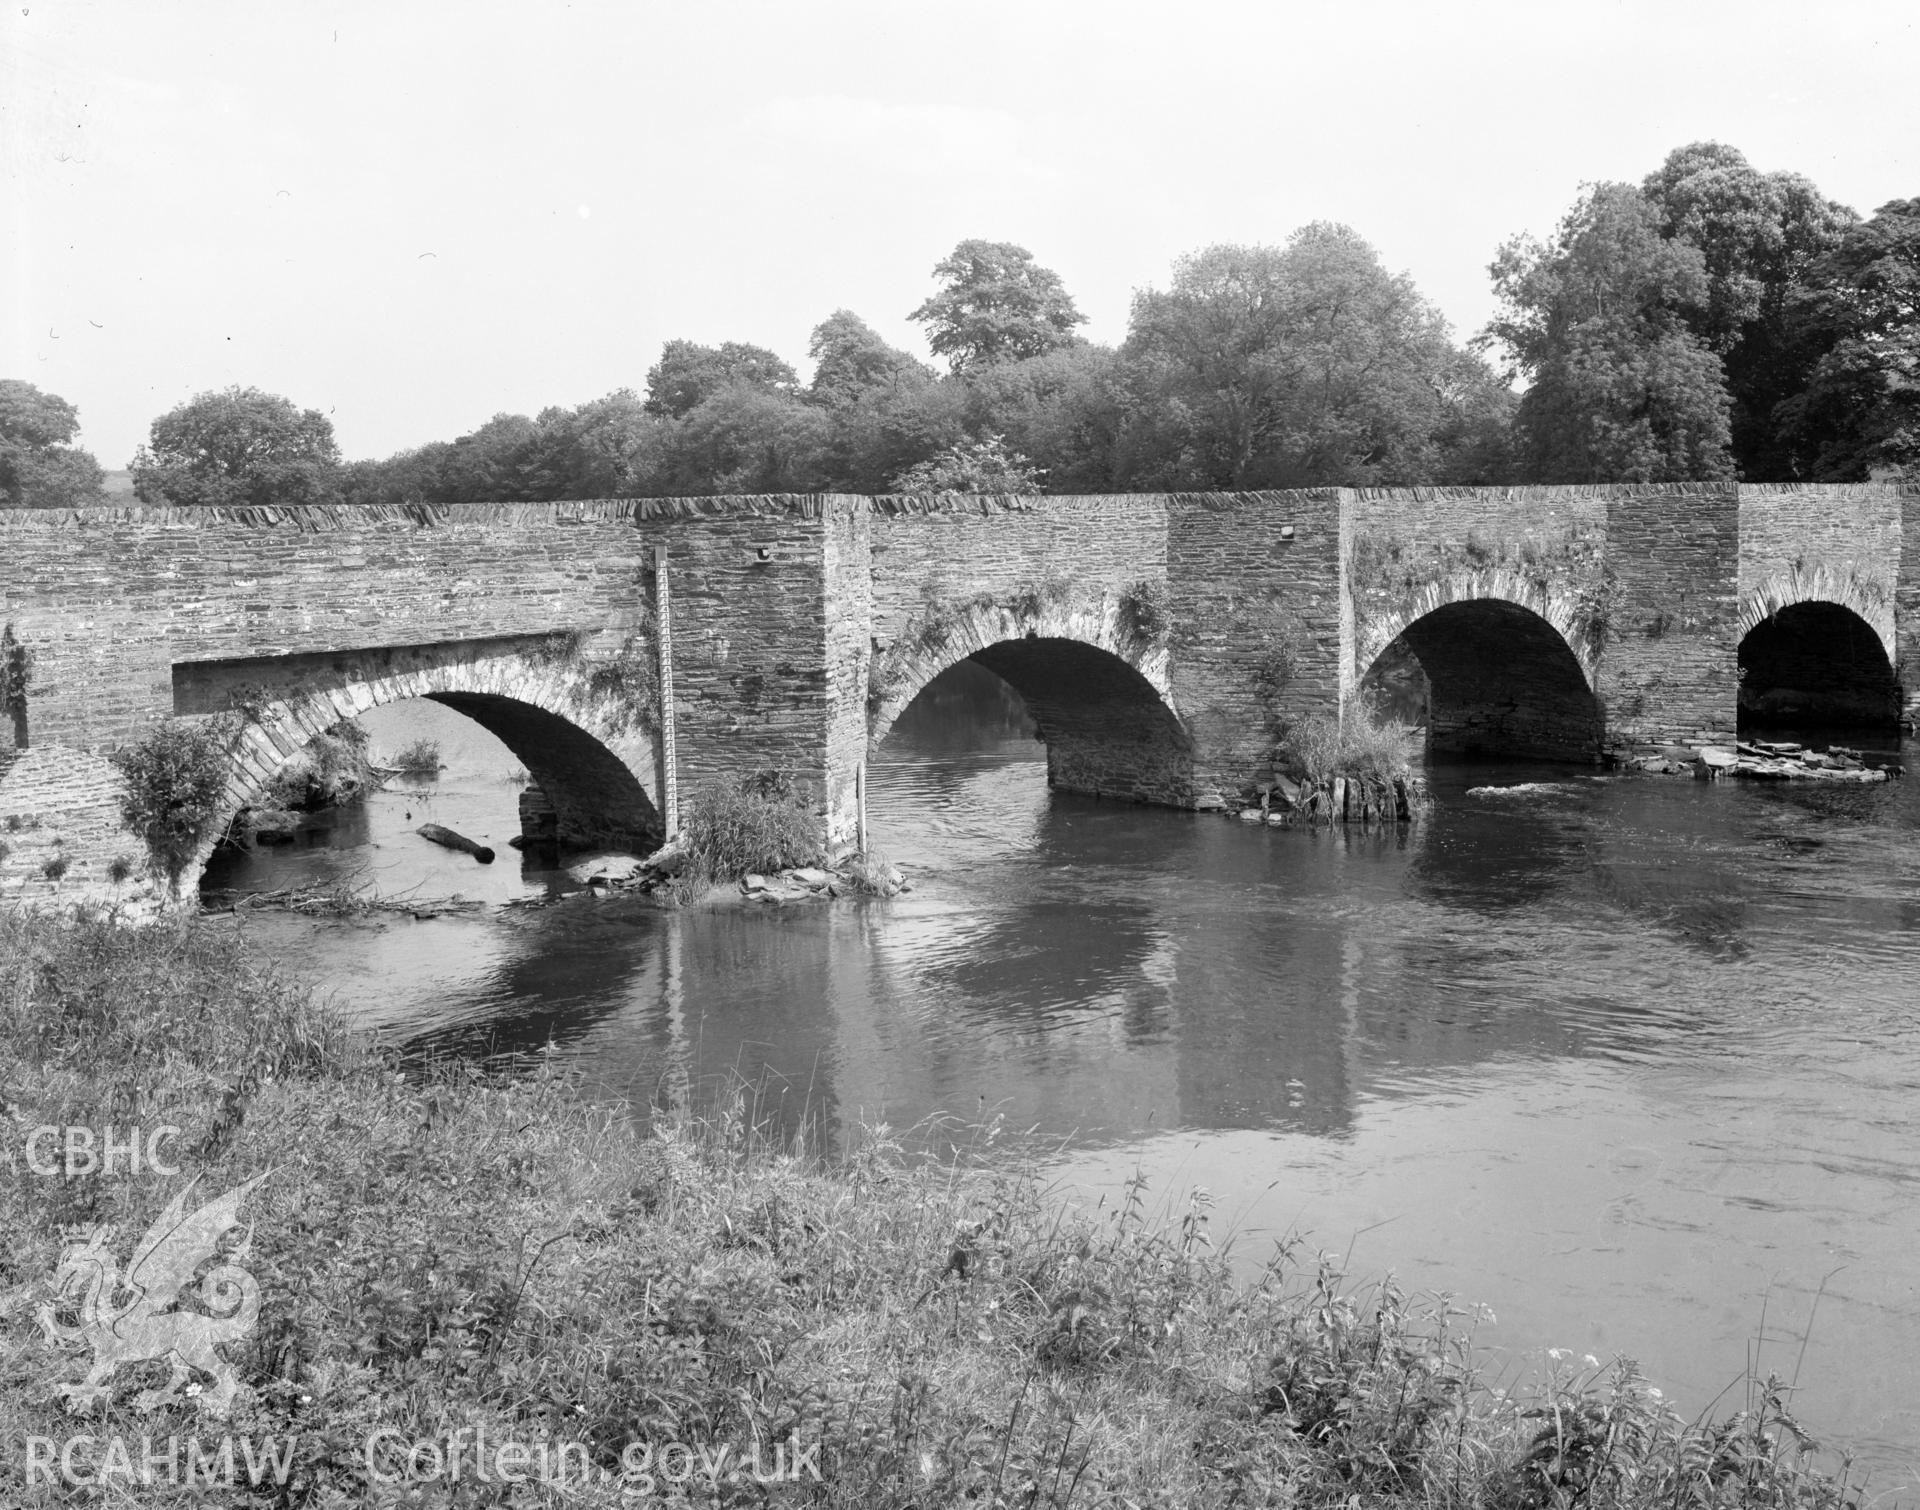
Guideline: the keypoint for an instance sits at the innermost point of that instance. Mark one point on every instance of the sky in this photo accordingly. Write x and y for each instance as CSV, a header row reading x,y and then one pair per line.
x,y
415,214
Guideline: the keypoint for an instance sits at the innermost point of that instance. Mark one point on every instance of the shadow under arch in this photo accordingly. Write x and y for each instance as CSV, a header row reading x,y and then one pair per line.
x,y
1815,663
587,750
1097,695
1503,678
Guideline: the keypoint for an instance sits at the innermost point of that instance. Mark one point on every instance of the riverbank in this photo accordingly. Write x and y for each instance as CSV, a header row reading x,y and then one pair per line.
x,y
437,1253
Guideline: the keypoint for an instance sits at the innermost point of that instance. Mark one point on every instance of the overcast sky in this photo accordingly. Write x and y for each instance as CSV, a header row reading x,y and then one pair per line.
x,y
413,216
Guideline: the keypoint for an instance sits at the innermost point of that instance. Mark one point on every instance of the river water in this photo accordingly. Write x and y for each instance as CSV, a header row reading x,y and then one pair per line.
x,y
1634,1062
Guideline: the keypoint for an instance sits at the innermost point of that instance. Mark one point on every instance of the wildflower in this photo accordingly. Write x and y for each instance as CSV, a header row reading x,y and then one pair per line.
x,y
1591,1361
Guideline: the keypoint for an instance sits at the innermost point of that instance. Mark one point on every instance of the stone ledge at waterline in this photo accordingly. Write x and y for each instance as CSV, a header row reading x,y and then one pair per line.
x,y
1762,760
1341,799
1766,760
847,874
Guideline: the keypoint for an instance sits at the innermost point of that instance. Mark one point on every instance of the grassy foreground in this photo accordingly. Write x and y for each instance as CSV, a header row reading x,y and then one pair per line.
x,y
448,1264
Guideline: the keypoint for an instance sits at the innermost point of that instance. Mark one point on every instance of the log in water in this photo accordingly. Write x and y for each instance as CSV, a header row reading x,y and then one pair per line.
x,y
451,840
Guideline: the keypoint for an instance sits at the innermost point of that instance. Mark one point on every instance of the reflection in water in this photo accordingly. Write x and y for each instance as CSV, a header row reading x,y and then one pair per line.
x,y
1633,1060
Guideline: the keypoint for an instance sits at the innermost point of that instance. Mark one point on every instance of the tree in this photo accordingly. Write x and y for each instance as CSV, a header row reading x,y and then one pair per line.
x,y
747,438
851,360
412,476
1066,409
1620,389
240,446
997,305
885,410
608,448
687,374
986,465
1860,410
1758,235
40,467
1292,366
1474,437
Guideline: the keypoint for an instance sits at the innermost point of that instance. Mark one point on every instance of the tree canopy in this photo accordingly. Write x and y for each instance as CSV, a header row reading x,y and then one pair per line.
x,y
687,374
1711,321
40,467
1860,409
851,360
238,446
1620,389
1758,235
1290,366
996,304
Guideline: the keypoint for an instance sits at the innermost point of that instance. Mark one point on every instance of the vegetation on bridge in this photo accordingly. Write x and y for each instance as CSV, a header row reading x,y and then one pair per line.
x,y
445,1248
1554,559
628,677
333,768
16,680
175,778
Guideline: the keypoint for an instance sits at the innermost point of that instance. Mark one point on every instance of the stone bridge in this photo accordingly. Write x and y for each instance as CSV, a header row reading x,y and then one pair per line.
x,y
1159,641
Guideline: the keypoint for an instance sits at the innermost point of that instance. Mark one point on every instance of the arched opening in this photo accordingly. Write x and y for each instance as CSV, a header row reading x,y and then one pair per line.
x,y
505,774
970,748
1107,729
1816,664
1493,679
585,756
597,801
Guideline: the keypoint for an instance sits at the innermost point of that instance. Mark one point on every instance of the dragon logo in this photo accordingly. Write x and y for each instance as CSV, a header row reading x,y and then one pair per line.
x,y
144,1326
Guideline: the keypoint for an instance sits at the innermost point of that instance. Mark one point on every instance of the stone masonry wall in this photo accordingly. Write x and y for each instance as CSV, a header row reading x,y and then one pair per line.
x,y
1670,667
751,684
949,548
1259,629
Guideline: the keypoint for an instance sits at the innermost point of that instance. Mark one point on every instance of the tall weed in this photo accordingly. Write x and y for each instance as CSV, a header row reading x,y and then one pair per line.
x,y
759,825
1362,748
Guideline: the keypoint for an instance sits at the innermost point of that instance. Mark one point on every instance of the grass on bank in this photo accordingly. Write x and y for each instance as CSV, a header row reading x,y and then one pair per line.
x,y
447,1251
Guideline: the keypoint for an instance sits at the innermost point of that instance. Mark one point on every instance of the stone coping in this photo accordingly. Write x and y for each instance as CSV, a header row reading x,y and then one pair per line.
x,y
319,518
